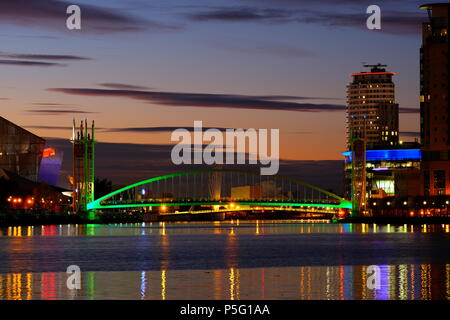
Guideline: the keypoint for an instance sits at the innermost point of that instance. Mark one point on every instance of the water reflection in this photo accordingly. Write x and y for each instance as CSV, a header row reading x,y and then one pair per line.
x,y
157,278
399,282
234,227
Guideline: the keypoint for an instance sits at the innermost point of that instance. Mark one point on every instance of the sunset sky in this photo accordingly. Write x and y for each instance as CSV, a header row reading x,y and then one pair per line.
x,y
137,65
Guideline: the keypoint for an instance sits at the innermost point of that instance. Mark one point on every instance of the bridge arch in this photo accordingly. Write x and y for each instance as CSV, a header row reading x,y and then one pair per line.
x,y
218,187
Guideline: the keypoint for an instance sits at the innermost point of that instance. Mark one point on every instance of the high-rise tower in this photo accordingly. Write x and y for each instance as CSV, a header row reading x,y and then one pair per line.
x,y
372,113
434,106
83,166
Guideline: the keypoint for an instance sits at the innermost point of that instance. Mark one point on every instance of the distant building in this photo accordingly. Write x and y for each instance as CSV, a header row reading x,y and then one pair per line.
x,y
389,172
20,150
50,166
270,190
25,194
434,106
246,192
371,109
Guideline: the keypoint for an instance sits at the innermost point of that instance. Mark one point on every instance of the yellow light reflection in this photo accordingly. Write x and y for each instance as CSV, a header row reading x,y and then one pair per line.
x,y
392,281
302,283
29,280
163,284
234,283
364,280
14,286
403,282
162,230
231,279
425,280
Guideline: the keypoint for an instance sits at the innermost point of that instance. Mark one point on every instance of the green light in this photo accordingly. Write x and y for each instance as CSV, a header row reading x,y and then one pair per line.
x,y
90,230
92,216
344,204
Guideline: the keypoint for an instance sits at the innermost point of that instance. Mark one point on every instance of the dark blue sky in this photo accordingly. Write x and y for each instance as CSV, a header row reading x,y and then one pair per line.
x,y
249,63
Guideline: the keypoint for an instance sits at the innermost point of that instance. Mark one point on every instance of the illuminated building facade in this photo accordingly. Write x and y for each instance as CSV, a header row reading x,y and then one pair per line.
x,y
434,106
20,150
50,166
387,172
372,113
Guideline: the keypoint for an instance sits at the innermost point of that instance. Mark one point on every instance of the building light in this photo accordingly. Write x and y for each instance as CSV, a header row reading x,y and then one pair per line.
x,y
49,152
390,154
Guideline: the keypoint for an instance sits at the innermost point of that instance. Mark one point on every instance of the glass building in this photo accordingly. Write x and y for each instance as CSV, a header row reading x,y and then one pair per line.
x,y
389,172
20,150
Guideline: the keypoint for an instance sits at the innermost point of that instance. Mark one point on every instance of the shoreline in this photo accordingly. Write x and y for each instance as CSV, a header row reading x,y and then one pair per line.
x,y
46,218
397,220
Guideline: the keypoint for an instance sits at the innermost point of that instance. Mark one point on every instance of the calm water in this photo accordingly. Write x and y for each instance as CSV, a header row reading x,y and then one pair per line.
x,y
226,260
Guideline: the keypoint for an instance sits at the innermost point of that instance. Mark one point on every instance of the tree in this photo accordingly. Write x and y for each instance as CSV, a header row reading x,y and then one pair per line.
x,y
102,187
6,189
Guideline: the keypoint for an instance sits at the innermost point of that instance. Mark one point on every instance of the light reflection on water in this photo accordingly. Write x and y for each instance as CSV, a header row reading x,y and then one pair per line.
x,y
401,281
258,227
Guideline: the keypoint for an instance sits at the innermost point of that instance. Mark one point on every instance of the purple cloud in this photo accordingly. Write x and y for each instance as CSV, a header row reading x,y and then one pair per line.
x,y
51,14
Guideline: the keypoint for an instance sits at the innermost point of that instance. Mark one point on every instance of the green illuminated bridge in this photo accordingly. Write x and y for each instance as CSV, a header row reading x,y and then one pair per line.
x,y
220,190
